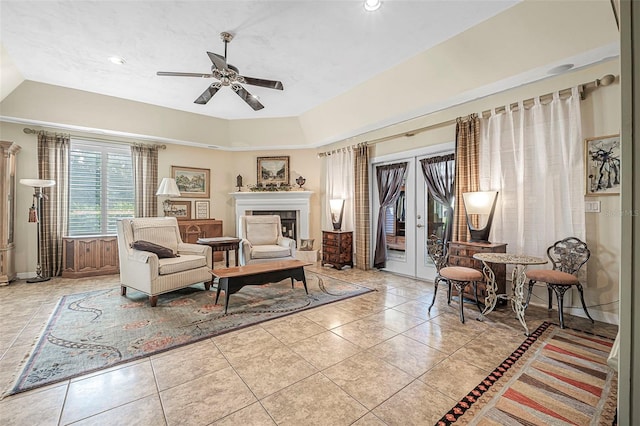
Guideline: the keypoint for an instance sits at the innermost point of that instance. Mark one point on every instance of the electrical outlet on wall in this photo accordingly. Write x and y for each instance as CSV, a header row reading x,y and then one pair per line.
x,y
592,206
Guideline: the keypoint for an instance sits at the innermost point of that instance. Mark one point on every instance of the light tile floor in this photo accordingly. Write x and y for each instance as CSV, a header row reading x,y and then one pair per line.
x,y
378,359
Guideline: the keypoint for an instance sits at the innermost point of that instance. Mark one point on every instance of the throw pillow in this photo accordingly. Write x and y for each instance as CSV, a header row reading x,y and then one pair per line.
x,y
161,251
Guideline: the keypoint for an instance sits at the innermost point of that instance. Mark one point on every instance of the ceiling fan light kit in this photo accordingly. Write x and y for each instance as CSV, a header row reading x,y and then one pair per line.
x,y
227,75
371,5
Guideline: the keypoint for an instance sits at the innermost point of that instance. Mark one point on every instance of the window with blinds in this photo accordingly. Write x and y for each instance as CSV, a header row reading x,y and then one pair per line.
x,y
100,187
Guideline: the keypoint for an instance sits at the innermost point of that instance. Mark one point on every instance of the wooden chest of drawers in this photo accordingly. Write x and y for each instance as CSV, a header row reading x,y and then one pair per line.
x,y
337,248
461,254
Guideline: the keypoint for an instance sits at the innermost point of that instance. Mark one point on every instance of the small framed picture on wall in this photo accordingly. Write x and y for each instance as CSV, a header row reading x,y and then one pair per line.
x,y
202,209
602,165
273,170
179,209
192,182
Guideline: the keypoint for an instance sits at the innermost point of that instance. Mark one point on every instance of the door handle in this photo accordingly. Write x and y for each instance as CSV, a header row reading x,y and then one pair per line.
x,y
419,226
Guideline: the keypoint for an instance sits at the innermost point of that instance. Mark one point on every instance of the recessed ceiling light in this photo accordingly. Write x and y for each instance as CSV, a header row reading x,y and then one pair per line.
x,y
371,5
560,69
117,60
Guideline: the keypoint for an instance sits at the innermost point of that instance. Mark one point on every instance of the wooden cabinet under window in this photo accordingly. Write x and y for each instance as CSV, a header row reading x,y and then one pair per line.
x,y
337,248
461,254
192,229
89,256
8,152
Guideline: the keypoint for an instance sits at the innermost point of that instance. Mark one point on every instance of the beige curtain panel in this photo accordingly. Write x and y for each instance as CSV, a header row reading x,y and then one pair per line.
x,y
362,210
145,179
53,163
467,170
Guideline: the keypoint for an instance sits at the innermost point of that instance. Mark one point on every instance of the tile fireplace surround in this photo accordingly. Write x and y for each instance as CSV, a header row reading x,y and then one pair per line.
x,y
298,201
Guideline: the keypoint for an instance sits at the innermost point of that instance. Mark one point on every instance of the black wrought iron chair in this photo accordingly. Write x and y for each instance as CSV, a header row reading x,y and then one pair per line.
x,y
567,256
435,249
458,276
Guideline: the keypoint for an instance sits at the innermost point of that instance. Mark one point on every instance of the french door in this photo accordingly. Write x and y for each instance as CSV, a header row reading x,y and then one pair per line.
x,y
411,219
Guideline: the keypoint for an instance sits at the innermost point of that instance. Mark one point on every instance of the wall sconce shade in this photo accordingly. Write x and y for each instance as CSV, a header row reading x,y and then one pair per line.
x,y
168,188
337,209
480,205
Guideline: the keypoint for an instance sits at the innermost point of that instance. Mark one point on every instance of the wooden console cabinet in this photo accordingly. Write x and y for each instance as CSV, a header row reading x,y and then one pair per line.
x,y
192,229
461,254
89,256
337,248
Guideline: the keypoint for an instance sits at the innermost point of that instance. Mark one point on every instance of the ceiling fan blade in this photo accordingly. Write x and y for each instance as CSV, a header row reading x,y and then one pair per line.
x,y
247,97
208,94
218,61
271,84
183,74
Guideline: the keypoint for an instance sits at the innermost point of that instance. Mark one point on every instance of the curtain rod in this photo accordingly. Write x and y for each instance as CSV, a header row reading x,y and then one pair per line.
x,y
29,131
582,88
343,149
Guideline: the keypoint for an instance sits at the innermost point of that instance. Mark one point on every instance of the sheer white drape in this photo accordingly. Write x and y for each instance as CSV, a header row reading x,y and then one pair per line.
x,y
534,157
339,184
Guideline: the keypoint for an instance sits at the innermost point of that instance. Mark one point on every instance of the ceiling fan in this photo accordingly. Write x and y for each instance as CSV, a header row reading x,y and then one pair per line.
x,y
228,75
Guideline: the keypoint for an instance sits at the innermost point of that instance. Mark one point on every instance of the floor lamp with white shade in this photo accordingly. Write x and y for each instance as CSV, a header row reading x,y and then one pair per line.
x,y
34,216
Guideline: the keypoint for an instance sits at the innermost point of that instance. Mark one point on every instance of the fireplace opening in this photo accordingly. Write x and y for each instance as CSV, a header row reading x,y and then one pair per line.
x,y
288,219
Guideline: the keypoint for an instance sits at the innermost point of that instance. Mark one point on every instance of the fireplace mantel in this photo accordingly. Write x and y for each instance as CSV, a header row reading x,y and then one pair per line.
x,y
275,200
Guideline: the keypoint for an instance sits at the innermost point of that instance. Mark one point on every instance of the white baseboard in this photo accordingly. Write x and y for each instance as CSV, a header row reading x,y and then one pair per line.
x,y
608,317
571,303
25,275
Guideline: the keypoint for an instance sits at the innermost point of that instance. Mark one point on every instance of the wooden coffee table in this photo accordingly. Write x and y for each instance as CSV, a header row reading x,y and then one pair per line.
x,y
231,280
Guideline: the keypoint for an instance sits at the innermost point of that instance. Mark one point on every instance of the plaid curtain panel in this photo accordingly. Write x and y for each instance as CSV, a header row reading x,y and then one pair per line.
x,y
53,163
362,212
467,170
145,179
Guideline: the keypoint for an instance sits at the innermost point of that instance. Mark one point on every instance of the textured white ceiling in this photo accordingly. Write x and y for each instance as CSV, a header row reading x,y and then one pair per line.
x,y
318,49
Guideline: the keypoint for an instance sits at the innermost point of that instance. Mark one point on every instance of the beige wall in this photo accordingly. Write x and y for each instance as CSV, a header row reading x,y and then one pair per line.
x,y
225,166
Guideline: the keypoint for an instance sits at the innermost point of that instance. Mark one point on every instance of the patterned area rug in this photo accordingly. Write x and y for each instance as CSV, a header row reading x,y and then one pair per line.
x,y
99,329
557,376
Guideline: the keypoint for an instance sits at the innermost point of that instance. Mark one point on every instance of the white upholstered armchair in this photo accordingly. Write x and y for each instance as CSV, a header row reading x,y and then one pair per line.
x,y
145,271
262,240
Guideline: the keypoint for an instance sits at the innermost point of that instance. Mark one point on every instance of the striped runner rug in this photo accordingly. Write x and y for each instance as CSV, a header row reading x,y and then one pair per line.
x,y
556,377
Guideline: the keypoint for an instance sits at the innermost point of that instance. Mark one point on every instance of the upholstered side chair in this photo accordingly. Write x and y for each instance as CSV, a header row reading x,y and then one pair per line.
x,y
458,276
152,271
262,240
567,256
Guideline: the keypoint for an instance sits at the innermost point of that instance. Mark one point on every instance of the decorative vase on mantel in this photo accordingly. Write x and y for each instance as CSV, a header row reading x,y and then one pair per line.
x,y
300,181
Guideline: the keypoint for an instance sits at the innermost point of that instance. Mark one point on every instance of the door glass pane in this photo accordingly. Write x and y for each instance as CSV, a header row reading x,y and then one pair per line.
x,y
394,226
435,218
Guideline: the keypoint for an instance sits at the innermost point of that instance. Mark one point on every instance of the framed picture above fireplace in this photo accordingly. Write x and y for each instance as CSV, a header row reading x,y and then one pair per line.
x,y
273,170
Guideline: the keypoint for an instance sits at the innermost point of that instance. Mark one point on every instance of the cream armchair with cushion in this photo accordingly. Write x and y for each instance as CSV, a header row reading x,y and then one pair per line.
x,y
262,240
148,270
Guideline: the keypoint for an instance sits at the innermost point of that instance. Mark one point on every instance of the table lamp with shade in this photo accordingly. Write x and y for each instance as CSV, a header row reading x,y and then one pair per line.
x,y
480,205
336,206
35,215
168,188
